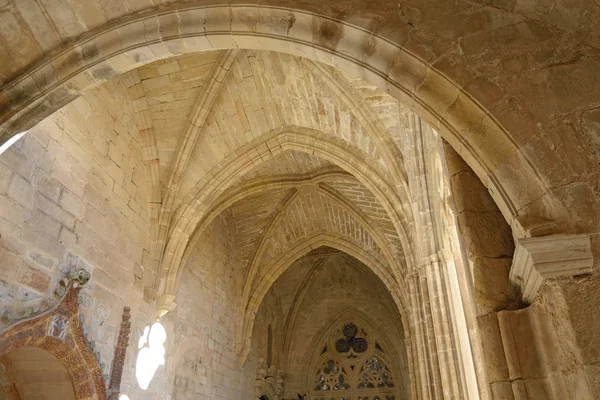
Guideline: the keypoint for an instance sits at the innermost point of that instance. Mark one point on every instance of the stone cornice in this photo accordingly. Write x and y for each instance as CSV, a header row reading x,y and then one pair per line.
x,y
537,259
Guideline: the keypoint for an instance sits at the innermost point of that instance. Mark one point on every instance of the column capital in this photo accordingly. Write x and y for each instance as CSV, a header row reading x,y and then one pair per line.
x,y
537,259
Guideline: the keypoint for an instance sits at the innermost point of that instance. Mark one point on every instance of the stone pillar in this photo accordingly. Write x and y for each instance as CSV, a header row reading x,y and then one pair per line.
x,y
489,247
424,360
442,360
280,380
434,353
529,352
259,382
486,236
532,353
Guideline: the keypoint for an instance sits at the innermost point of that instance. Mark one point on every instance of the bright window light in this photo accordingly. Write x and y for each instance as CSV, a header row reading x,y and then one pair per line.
x,y
123,397
11,141
151,354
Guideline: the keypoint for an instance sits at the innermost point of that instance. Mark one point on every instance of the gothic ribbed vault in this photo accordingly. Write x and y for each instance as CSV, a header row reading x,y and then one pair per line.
x,y
261,176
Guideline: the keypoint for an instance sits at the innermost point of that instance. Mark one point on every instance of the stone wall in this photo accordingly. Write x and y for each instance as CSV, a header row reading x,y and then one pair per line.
x,y
73,195
486,235
582,298
537,351
201,357
532,353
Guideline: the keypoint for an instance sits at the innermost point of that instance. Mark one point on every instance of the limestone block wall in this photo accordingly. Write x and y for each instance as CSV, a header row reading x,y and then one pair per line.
x,y
545,350
73,194
532,353
201,359
582,297
271,313
486,235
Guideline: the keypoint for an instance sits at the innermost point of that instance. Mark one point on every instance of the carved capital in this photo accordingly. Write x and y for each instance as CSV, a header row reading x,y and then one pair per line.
x,y
537,259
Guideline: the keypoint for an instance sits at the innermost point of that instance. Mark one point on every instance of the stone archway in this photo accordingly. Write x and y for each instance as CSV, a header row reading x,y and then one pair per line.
x,y
58,332
190,217
375,345
471,129
30,372
252,300
534,203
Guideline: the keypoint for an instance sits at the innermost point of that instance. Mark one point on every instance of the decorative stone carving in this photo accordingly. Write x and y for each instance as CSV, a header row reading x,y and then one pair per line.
x,y
259,383
350,341
537,259
280,381
58,326
351,375
59,332
80,277
120,353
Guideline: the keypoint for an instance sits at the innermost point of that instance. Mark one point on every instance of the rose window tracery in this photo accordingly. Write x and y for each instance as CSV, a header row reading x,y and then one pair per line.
x,y
375,374
330,376
351,344
352,366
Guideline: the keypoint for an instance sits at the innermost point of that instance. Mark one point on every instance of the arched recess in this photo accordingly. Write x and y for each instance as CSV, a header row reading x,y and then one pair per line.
x,y
324,348
58,331
451,109
304,307
251,302
194,209
30,372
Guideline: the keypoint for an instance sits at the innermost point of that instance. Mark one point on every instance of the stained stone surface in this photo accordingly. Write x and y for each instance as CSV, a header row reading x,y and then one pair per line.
x,y
230,167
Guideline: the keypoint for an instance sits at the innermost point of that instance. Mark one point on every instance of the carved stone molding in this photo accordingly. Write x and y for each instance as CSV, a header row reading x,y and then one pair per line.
x,y
120,353
537,259
259,383
58,331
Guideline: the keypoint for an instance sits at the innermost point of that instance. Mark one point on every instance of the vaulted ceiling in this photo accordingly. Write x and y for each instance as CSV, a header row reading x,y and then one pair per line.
x,y
319,290
296,154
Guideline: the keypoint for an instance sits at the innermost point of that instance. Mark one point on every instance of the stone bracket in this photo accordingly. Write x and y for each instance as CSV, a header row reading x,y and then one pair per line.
x,y
165,304
537,259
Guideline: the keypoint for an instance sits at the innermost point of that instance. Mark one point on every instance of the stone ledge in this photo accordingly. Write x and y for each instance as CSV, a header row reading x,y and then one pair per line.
x,y
537,259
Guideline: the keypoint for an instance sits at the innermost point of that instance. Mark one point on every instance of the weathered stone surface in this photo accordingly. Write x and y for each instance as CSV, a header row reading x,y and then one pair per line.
x,y
33,278
493,290
537,259
198,177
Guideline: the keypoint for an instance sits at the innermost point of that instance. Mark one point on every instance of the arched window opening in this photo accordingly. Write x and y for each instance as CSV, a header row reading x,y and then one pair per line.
x,y
269,346
352,365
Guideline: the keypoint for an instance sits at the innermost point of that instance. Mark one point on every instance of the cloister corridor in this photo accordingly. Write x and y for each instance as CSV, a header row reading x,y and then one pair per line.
x,y
279,200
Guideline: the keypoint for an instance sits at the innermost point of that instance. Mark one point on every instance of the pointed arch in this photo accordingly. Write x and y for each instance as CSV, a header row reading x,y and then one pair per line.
x,y
344,204
202,106
195,208
59,332
378,345
252,299
473,131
